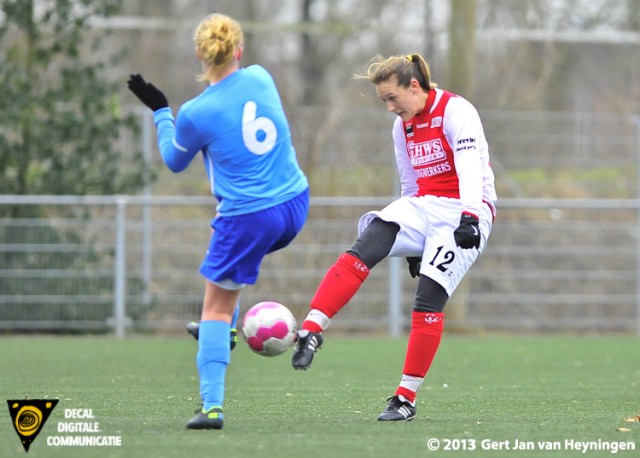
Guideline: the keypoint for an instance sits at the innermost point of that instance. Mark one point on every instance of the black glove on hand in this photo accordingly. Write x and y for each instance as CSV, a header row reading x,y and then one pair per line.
x,y
467,235
150,95
414,266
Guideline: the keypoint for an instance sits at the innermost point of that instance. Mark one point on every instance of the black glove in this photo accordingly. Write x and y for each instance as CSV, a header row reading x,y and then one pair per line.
x,y
467,235
414,266
150,95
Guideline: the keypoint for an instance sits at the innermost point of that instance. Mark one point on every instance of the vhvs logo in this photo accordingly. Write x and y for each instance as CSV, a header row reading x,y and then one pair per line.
x,y
431,149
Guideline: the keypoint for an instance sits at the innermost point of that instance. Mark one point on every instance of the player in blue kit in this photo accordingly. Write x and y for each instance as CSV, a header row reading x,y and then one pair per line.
x,y
239,125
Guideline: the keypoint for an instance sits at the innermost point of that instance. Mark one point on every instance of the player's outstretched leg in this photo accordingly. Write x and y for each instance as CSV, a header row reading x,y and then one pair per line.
x,y
398,409
338,286
307,344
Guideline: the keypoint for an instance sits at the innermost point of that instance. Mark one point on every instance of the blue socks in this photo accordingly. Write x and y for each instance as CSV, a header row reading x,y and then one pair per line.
x,y
234,319
212,360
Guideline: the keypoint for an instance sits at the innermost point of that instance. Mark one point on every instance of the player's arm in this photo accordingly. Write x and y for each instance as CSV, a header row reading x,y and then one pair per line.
x,y
464,133
408,181
176,153
463,130
178,141
408,177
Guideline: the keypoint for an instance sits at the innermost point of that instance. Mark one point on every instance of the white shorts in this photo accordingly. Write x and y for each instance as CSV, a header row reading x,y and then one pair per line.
x,y
426,229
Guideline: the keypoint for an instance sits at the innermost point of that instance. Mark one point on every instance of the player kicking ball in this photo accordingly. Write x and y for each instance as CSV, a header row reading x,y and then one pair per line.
x,y
440,223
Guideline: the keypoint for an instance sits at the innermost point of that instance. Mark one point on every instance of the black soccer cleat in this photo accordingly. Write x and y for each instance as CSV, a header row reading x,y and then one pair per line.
x,y
210,419
398,409
193,328
307,344
233,338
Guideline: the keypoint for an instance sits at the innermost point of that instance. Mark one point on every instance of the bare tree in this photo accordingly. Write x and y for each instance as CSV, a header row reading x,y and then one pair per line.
x,y
462,26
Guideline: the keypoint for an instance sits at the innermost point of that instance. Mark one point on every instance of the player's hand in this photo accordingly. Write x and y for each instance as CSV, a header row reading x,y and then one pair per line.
x,y
414,266
148,94
467,235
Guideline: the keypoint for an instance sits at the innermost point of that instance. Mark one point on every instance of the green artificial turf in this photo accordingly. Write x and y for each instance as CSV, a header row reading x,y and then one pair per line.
x,y
481,393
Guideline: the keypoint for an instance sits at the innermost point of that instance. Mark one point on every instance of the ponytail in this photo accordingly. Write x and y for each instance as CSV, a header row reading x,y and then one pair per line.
x,y
405,68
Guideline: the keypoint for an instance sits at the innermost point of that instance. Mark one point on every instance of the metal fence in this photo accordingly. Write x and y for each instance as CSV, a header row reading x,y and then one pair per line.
x,y
129,264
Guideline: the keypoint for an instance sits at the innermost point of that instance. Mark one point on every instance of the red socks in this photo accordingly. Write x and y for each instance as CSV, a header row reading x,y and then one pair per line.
x,y
424,339
340,283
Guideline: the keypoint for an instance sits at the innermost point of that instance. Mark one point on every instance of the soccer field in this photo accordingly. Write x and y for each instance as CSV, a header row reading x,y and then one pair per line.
x,y
481,393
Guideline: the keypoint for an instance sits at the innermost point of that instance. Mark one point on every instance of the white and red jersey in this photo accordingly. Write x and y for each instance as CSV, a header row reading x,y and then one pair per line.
x,y
443,152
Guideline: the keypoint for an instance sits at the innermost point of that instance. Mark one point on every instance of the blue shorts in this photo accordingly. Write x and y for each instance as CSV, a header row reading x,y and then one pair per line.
x,y
239,243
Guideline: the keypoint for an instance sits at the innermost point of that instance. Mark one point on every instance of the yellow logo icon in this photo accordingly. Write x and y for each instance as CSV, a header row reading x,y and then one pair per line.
x,y
29,416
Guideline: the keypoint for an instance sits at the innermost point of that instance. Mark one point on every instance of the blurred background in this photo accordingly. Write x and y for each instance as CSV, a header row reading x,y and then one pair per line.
x,y
97,236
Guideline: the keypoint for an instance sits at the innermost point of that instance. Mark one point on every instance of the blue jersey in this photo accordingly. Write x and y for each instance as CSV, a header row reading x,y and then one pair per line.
x,y
240,126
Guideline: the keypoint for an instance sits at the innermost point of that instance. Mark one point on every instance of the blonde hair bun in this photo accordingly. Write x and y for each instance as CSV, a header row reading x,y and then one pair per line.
x,y
216,38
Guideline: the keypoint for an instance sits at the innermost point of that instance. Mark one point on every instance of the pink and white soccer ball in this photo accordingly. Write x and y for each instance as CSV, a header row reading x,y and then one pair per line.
x,y
269,328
